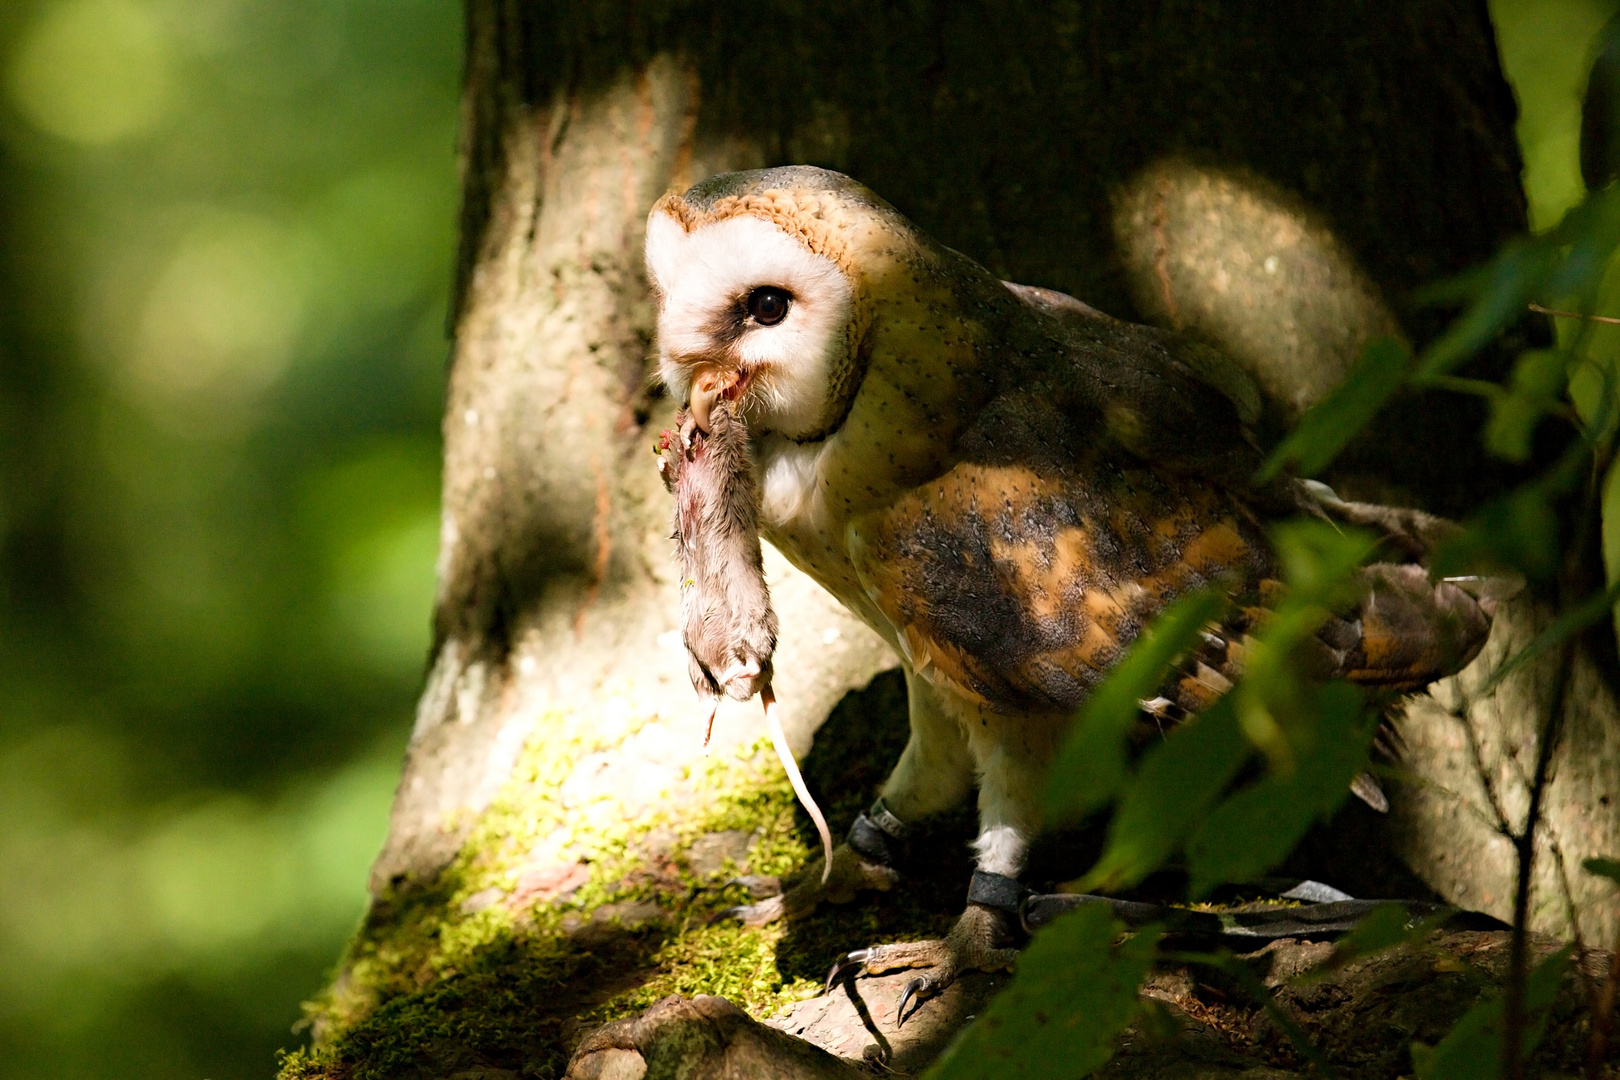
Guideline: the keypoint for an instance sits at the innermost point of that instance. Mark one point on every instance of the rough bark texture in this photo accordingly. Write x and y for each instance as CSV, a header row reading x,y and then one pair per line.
x,y
1272,177
1474,758
555,567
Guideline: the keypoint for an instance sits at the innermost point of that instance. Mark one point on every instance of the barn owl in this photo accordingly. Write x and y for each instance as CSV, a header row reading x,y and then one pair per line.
x,y
1004,483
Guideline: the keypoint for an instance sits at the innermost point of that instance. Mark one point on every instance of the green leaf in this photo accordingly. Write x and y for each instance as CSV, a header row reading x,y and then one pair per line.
x,y
1332,422
1565,261
1536,387
1074,993
1609,868
1472,1050
1501,294
1091,767
1383,929
1611,530
1256,828
1586,238
1314,735
1592,388
1320,563
1178,781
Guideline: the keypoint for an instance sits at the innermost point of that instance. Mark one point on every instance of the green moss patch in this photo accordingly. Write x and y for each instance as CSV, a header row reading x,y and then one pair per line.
x,y
456,975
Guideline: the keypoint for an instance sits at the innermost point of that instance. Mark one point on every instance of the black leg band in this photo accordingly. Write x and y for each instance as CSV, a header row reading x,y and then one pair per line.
x,y
996,891
876,835
869,842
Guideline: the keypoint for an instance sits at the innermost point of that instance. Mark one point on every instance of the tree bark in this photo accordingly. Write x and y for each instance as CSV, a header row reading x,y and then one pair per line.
x,y
1273,178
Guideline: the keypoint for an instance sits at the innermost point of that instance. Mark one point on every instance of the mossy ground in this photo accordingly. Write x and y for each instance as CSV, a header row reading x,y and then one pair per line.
x,y
434,981
433,985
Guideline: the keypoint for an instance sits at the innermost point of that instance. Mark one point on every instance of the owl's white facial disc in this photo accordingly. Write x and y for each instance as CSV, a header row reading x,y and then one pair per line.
x,y
704,279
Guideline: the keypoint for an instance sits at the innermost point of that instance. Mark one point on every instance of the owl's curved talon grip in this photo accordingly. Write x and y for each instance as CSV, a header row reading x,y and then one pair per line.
x,y
850,961
922,988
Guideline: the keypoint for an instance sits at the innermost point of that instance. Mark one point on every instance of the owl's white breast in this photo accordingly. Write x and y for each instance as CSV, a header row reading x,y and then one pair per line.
x,y
808,527
799,517
789,484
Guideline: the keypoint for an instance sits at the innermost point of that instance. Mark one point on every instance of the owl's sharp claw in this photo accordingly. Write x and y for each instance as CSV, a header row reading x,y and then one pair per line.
x,y
765,911
922,987
850,960
974,944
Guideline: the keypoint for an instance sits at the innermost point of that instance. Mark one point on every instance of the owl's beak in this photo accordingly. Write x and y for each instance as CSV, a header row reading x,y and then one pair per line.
x,y
710,386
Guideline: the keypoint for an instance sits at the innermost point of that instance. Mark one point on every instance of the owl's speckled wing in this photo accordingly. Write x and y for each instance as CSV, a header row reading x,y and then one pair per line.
x,y
1108,478
1021,574
1164,398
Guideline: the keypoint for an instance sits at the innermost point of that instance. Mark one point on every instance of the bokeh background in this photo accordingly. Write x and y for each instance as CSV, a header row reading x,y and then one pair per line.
x,y
226,235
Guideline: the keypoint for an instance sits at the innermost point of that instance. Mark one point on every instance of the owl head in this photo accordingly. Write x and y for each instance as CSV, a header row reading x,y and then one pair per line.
x,y
764,287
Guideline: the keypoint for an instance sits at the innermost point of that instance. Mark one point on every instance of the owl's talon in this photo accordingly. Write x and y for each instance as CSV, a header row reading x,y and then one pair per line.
x,y
922,987
763,913
978,942
851,960
850,876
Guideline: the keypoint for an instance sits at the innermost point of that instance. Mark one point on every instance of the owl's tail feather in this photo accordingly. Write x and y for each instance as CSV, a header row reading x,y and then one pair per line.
x,y
1404,631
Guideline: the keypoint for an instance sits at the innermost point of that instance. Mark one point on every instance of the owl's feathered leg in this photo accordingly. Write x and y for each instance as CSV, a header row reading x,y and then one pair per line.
x,y
935,771
1011,754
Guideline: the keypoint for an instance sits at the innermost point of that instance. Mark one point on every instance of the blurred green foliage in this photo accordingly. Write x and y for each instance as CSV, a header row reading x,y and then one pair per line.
x,y
1314,738
227,229
1472,1050
1546,48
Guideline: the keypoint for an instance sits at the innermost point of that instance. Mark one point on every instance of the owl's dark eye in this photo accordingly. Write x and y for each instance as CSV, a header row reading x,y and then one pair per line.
x,y
768,305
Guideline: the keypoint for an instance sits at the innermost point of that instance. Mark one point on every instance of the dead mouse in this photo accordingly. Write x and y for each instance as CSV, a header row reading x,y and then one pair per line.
x,y
727,621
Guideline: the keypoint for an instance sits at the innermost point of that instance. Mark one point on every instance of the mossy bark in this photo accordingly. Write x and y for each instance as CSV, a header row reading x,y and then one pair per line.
x,y
559,838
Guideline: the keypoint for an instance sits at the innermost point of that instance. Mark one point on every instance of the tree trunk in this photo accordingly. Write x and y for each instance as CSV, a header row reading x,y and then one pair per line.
x,y
1273,177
